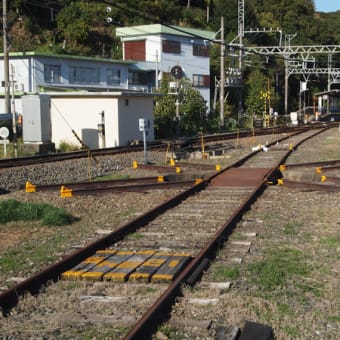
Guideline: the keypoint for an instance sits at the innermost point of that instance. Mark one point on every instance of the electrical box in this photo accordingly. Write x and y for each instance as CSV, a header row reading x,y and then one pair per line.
x,y
36,118
144,124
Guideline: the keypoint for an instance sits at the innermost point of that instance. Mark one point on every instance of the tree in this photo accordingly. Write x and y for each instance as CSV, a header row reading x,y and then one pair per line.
x,y
256,83
192,111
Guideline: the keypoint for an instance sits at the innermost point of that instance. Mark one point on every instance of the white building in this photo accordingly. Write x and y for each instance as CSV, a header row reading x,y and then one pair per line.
x,y
75,114
149,51
159,48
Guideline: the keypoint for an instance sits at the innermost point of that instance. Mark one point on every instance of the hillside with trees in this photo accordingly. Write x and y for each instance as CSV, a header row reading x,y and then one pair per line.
x,y
83,28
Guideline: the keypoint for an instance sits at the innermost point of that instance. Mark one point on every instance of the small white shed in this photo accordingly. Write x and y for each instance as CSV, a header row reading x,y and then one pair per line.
x,y
81,113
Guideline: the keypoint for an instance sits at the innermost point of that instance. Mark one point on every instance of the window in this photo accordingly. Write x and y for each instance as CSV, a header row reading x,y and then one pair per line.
x,y
137,78
84,75
112,76
200,50
201,80
171,46
52,73
134,50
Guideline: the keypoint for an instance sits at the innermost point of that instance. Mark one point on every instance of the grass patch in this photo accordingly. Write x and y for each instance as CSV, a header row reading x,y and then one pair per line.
x,y
221,273
13,210
278,267
170,332
68,147
292,331
330,242
30,254
137,236
290,229
306,288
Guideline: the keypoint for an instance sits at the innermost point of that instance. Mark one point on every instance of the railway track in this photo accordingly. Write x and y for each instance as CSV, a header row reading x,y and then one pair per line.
x,y
189,143
207,211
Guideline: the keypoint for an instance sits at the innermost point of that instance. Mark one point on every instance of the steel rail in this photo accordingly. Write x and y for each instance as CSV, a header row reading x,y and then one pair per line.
x,y
311,186
161,309
132,188
99,184
52,273
313,164
40,159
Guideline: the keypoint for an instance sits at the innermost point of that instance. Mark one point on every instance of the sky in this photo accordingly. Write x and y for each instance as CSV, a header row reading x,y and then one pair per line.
x,y
327,5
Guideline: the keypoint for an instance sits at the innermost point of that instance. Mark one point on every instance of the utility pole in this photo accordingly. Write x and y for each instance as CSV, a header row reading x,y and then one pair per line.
x,y
222,75
14,118
241,34
7,108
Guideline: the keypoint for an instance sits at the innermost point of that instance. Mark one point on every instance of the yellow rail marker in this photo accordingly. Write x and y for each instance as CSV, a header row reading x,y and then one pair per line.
x,y
282,167
291,147
29,187
218,167
172,162
198,180
76,272
97,273
134,165
65,192
149,267
323,178
171,268
318,170
178,169
280,181
160,179
124,269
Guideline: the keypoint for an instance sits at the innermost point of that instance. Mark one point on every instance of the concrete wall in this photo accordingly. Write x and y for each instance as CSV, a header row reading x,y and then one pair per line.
x,y
82,114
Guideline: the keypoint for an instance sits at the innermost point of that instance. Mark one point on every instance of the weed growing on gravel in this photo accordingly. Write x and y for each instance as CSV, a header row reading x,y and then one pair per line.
x,y
137,235
278,266
13,210
292,331
290,229
170,332
221,273
330,242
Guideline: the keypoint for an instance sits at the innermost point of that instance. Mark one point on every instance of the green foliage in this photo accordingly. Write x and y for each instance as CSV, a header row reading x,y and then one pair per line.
x,y
278,267
56,217
66,147
192,111
13,210
256,83
222,273
170,332
80,28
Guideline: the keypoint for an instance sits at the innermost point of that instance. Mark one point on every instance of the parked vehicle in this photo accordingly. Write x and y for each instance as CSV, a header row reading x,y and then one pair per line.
x,y
6,119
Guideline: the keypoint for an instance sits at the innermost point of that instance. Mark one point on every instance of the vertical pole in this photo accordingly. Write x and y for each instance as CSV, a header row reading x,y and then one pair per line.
x,y
145,151
286,86
222,75
7,108
14,118
177,108
329,66
156,76
102,134
300,109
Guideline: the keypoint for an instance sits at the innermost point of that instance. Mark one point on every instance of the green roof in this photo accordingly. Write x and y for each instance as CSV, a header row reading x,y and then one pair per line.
x,y
65,56
162,29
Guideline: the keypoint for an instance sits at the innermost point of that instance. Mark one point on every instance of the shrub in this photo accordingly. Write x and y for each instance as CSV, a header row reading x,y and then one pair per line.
x,y
67,147
56,217
13,210
9,210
